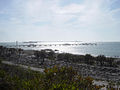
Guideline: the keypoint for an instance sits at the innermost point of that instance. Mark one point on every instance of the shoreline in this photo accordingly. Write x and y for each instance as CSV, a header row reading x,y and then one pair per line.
x,y
59,51
65,45
78,62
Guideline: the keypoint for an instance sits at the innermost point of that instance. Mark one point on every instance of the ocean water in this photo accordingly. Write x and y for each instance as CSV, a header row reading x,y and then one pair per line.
x,y
111,49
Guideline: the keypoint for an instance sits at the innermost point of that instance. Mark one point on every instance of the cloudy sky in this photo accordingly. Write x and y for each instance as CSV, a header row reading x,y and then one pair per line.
x,y
52,20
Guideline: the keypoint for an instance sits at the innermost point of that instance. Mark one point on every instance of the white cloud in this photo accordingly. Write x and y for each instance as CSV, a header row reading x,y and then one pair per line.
x,y
91,13
70,9
88,13
87,16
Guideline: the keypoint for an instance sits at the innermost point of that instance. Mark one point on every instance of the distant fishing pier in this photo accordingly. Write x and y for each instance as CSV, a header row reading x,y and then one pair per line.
x,y
36,44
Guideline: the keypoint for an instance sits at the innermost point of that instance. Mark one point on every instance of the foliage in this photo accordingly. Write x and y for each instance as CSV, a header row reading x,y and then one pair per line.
x,y
68,79
89,59
100,60
56,78
47,53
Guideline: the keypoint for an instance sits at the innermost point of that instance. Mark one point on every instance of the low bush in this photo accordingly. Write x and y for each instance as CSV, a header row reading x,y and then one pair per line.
x,y
64,78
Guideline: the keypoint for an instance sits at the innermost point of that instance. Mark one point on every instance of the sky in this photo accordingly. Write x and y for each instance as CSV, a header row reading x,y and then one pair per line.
x,y
54,20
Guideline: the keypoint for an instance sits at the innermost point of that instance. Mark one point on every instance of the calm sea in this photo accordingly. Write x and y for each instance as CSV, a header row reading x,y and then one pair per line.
x,y
111,49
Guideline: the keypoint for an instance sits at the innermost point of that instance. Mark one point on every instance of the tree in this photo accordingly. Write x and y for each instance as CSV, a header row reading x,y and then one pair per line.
x,y
51,55
40,55
89,59
101,59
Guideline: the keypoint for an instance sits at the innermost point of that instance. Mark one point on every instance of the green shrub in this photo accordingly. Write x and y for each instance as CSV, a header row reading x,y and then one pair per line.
x,y
56,78
67,79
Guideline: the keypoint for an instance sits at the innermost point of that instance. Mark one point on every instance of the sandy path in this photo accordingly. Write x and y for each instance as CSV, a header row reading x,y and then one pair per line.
x,y
24,66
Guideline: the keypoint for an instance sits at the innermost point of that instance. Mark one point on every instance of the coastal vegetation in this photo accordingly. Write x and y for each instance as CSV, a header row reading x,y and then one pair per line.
x,y
48,53
58,76
64,78
100,60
